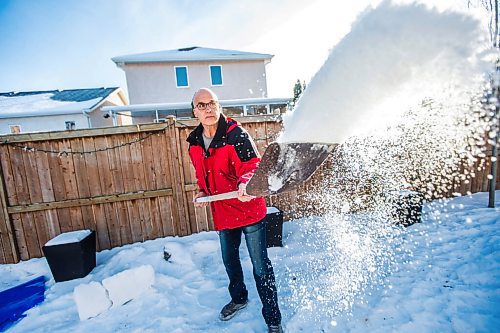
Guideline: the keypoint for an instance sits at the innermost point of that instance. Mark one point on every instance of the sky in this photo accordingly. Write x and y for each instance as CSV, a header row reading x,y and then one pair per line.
x,y
54,44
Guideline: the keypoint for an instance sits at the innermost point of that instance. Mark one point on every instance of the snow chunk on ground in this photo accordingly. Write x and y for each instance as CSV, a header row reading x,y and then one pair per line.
x,y
129,284
91,300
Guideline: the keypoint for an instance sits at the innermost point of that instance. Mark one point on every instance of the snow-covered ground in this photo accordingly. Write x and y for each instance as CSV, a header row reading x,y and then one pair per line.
x,y
446,279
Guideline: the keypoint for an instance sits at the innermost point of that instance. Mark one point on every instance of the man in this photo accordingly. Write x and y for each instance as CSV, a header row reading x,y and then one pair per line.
x,y
225,158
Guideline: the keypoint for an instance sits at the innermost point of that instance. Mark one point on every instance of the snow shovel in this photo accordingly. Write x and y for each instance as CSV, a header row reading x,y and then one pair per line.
x,y
284,166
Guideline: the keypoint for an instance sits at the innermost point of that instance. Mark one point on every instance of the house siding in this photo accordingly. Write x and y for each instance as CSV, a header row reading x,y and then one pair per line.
x,y
156,82
97,116
44,123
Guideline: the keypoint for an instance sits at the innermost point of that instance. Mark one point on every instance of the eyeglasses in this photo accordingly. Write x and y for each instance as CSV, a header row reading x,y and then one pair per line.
x,y
205,106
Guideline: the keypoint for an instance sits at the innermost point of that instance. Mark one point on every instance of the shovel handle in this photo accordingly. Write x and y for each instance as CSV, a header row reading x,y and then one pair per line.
x,y
223,196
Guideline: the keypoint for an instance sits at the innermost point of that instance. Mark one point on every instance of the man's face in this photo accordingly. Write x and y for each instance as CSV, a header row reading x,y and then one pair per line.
x,y
206,108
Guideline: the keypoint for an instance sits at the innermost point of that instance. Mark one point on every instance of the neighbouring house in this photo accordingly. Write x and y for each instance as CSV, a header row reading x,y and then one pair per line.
x,y
162,83
54,110
173,76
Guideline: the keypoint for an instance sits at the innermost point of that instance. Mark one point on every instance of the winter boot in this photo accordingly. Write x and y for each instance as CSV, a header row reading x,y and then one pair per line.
x,y
274,329
230,310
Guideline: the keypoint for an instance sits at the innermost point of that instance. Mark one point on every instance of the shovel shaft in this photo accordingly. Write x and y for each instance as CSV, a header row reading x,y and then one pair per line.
x,y
223,196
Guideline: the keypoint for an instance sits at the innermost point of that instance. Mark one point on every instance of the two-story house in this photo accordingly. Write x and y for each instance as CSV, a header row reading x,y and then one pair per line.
x,y
163,83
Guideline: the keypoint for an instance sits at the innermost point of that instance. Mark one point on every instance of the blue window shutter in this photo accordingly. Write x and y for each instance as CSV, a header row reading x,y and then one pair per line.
x,y
181,76
216,75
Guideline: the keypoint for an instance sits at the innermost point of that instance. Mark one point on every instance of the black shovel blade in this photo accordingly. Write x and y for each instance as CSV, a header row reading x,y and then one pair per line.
x,y
285,166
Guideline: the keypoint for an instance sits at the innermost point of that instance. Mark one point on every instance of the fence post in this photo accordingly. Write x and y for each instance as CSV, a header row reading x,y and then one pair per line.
x,y
10,252
496,128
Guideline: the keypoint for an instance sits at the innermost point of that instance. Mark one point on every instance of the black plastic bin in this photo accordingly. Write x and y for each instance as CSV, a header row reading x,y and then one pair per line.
x,y
274,227
71,260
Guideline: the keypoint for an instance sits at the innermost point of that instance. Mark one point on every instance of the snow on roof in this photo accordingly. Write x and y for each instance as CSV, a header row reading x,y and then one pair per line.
x,y
54,102
188,54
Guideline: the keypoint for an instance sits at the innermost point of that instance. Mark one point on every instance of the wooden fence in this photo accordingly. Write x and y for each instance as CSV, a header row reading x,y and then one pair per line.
x,y
130,184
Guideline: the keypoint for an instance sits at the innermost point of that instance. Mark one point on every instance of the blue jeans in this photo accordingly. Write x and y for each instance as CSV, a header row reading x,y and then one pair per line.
x,y
255,236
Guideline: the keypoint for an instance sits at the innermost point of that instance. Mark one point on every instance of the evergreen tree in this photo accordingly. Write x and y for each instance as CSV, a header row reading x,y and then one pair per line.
x,y
298,89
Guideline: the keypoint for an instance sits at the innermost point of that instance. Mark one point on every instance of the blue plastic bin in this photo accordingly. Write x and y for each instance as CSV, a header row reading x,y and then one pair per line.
x,y
17,300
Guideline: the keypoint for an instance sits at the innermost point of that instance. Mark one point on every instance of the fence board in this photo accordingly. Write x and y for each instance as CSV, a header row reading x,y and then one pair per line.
x,y
147,163
19,173
145,217
150,176
116,166
3,253
129,185
164,180
82,184
165,204
197,221
179,167
35,221
135,221
138,172
9,186
94,180
481,174
31,234
177,185
17,226
52,219
9,249
156,218
37,229
107,187
7,240
487,168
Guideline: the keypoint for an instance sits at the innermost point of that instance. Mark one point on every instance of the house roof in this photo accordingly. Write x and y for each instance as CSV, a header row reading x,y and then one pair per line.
x,y
189,54
51,102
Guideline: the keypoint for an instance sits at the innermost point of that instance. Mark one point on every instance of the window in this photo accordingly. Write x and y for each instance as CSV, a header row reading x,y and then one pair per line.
x,y
233,111
216,75
253,110
15,129
70,125
278,108
181,76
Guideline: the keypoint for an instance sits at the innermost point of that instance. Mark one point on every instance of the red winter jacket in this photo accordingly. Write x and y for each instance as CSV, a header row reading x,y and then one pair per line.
x,y
230,160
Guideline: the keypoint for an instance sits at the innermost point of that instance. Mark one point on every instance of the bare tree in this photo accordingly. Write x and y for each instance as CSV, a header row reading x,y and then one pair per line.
x,y
492,7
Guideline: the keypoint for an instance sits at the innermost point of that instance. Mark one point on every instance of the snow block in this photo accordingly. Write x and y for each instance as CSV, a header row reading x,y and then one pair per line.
x,y
16,300
91,300
274,227
127,285
71,255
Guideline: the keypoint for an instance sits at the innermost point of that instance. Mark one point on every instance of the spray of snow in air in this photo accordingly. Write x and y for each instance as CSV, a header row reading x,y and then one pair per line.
x,y
403,95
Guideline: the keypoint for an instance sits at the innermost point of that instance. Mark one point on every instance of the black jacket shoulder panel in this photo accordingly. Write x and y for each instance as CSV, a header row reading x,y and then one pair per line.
x,y
245,148
195,137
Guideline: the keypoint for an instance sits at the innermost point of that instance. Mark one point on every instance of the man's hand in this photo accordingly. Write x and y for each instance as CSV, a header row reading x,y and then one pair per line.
x,y
200,204
242,193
